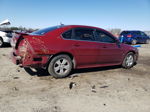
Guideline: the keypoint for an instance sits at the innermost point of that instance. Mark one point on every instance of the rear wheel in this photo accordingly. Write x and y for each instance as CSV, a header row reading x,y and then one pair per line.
x,y
128,61
147,41
1,42
134,42
60,66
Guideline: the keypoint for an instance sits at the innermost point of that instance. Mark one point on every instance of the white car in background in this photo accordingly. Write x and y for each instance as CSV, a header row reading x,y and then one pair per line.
x,y
5,37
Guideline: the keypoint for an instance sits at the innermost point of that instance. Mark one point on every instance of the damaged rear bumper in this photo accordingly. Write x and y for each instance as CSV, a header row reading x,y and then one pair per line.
x,y
15,59
36,61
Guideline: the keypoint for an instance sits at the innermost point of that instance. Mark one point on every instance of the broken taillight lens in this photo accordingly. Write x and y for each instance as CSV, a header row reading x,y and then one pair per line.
x,y
22,49
13,42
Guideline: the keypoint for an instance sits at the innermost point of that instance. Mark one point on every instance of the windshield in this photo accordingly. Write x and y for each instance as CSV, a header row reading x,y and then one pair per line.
x,y
45,30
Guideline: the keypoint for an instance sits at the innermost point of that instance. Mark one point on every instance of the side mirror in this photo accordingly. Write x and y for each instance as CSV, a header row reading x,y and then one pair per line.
x,y
118,42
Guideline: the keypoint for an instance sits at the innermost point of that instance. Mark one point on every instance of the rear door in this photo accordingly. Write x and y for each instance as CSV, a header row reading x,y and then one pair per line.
x,y
109,51
84,47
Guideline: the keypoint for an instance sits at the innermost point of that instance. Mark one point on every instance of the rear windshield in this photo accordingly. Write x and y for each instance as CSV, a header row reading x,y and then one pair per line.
x,y
125,33
45,30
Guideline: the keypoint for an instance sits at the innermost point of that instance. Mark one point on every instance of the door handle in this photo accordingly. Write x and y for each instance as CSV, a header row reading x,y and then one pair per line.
x,y
104,46
76,45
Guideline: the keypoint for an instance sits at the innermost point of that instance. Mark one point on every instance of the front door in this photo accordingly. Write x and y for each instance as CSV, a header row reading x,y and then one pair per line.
x,y
109,51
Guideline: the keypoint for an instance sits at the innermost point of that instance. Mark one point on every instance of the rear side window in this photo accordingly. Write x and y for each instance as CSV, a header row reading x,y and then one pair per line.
x,y
67,34
136,33
84,34
103,37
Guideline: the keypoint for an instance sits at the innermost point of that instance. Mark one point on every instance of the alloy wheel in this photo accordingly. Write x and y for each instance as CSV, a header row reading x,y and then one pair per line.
x,y
61,66
129,60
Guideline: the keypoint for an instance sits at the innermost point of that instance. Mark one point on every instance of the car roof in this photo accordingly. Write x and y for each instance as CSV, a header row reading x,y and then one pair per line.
x,y
86,26
131,31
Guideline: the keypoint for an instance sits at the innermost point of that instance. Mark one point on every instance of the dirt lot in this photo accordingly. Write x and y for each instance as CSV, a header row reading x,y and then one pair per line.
x,y
109,89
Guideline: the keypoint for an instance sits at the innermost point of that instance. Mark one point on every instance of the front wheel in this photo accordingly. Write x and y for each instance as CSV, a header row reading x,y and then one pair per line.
x,y
60,66
128,61
1,42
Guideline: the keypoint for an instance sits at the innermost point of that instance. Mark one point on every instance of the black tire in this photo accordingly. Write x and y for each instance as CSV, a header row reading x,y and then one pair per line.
x,y
134,42
147,41
129,63
60,66
1,42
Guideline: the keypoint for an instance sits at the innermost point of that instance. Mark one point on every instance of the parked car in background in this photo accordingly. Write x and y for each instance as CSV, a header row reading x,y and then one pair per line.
x,y
133,37
60,49
5,37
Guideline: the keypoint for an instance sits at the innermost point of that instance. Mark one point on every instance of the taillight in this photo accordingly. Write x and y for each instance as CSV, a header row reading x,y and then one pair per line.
x,y
23,47
22,50
129,35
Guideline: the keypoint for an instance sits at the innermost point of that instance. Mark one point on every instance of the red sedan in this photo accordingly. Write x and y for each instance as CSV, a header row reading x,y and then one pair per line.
x,y
60,49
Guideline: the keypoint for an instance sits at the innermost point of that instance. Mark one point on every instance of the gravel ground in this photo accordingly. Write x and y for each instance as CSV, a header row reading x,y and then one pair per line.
x,y
108,89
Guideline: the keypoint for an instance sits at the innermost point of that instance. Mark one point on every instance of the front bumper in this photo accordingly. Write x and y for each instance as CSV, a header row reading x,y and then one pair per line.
x,y
136,56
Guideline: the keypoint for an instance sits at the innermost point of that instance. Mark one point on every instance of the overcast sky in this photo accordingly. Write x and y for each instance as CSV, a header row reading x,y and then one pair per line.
x,y
124,14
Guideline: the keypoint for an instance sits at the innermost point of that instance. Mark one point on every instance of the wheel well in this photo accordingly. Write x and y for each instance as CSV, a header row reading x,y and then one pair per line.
x,y
132,52
1,38
135,56
70,55
63,53
127,53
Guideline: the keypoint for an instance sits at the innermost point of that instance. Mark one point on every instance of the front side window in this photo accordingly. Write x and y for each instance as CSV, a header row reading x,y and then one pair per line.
x,y
83,34
103,37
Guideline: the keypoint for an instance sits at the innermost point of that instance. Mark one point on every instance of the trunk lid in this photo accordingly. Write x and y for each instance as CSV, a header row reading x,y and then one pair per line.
x,y
17,37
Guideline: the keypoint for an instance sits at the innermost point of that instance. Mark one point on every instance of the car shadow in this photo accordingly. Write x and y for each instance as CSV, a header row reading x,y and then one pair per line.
x,y
85,70
42,72
36,72
6,45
